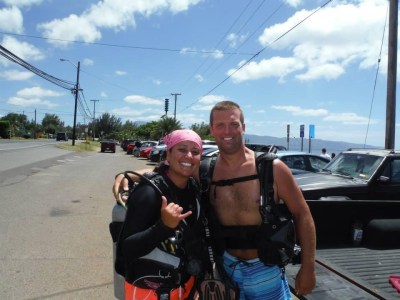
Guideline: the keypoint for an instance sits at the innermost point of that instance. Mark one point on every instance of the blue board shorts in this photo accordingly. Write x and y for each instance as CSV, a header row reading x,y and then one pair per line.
x,y
257,281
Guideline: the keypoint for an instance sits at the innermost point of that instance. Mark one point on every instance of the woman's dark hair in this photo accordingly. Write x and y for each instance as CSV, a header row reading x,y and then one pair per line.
x,y
161,168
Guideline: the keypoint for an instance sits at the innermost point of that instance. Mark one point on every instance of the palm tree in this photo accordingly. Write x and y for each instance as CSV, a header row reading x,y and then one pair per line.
x,y
167,125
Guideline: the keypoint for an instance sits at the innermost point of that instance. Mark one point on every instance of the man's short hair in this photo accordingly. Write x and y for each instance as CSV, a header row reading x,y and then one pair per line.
x,y
226,105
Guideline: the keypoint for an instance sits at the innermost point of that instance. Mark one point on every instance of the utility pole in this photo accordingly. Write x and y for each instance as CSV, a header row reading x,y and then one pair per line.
x,y
76,103
94,117
176,94
34,132
75,91
391,77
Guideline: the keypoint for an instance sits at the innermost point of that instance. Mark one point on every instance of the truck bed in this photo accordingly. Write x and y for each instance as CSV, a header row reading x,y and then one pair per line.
x,y
353,273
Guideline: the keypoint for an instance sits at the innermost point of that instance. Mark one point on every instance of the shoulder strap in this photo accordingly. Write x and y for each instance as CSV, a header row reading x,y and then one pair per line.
x,y
264,165
206,173
154,179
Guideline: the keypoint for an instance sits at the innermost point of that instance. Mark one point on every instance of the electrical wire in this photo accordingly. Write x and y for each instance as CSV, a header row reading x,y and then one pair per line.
x,y
376,77
121,46
259,52
14,58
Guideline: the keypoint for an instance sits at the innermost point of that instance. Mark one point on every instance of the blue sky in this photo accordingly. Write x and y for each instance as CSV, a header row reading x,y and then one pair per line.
x,y
285,62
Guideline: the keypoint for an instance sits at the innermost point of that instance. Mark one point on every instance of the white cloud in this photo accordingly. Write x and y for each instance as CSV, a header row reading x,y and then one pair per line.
x,y
349,118
16,75
30,102
37,92
318,46
107,14
274,67
120,73
207,102
103,95
294,3
137,99
88,62
157,82
11,20
21,3
199,78
235,40
298,111
131,112
327,71
29,97
23,50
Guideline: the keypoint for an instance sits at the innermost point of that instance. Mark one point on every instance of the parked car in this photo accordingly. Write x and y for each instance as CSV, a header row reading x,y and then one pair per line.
x,y
143,144
107,145
209,151
263,147
145,152
62,136
358,174
131,146
126,142
303,161
156,151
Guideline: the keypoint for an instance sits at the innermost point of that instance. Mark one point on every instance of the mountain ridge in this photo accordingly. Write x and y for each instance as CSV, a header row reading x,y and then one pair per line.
x,y
295,144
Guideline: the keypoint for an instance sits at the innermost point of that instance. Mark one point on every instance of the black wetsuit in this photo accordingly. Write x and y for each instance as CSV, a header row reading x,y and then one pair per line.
x,y
143,231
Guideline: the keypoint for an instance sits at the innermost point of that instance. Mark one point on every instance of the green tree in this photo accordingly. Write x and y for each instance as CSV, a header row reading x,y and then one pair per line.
x,y
4,129
18,123
107,124
203,130
51,123
167,125
148,131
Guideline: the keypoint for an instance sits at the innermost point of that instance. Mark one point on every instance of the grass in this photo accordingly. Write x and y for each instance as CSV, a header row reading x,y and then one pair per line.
x,y
81,146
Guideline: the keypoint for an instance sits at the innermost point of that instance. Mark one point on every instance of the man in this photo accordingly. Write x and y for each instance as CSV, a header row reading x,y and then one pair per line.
x,y
324,154
238,205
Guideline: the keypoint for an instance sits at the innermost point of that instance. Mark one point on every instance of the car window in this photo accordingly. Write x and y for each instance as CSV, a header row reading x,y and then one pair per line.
x,y
355,165
317,163
392,171
294,162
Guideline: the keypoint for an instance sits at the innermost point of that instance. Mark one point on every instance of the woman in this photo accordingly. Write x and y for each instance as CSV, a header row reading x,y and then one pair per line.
x,y
161,242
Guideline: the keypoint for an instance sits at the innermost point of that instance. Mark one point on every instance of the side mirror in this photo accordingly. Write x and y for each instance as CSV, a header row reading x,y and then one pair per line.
x,y
383,179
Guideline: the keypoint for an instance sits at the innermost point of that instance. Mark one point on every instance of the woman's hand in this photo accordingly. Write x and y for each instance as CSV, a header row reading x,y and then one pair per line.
x,y
120,189
171,213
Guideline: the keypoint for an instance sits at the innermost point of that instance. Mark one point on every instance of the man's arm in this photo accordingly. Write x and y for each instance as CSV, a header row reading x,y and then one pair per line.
x,y
121,185
287,189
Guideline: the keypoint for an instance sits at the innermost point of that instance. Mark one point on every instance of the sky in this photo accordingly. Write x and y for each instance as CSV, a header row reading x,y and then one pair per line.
x,y
286,62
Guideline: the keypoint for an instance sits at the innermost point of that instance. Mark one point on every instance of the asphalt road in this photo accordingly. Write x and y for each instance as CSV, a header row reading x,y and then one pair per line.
x,y
54,217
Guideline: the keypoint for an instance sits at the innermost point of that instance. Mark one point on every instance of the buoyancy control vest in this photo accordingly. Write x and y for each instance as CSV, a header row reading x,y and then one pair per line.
x,y
181,254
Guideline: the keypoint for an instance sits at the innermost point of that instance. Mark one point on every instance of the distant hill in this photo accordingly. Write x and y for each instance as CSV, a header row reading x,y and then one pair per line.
x,y
295,143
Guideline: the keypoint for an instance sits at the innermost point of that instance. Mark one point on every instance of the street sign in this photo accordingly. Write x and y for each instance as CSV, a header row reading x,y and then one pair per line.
x,y
312,131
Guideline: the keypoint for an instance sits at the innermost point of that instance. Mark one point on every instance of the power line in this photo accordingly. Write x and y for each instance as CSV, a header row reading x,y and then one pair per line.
x,y
123,46
262,50
14,58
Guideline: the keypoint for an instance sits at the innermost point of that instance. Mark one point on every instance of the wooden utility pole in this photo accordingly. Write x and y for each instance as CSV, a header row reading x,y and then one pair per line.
x,y
94,117
391,77
176,94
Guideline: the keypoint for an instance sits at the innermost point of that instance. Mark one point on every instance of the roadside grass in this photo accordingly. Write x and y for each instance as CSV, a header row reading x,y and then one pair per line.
x,y
83,146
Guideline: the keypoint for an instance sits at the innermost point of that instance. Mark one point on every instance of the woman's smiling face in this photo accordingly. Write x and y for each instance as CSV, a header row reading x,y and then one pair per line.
x,y
184,160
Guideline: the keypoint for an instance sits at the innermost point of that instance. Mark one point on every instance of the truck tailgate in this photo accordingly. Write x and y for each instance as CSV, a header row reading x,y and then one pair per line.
x,y
353,273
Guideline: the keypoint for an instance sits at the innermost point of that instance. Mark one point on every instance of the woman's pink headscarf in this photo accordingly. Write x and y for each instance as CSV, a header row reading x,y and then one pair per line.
x,y
181,135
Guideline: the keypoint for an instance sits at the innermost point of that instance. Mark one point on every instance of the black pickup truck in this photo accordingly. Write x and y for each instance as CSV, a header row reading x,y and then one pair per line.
x,y
365,174
358,191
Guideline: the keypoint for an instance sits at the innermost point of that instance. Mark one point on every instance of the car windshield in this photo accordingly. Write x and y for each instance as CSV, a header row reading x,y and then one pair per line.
x,y
354,165
209,150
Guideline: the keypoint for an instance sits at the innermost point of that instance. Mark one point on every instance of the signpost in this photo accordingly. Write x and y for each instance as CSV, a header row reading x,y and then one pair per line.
x,y
311,131
302,136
